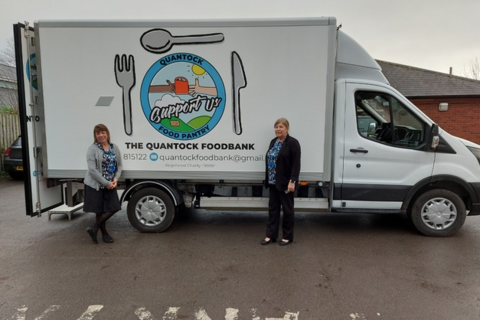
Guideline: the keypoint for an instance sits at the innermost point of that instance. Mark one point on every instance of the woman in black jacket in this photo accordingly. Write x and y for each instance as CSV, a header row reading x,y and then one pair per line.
x,y
281,177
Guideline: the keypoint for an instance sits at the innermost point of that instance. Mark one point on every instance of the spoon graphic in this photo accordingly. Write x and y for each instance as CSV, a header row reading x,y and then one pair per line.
x,y
160,40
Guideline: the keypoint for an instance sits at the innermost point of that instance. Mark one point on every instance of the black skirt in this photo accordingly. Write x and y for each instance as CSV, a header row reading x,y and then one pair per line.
x,y
103,200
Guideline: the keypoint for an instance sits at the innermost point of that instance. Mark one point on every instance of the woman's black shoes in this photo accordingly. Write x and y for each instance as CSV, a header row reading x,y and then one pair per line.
x,y
106,238
265,241
284,242
92,234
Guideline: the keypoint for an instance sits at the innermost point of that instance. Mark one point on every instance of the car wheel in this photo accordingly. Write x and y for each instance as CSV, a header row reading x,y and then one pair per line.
x,y
16,175
150,210
438,213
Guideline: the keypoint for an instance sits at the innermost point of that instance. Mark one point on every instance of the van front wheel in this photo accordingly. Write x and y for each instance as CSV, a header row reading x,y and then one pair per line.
x,y
150,210
438,213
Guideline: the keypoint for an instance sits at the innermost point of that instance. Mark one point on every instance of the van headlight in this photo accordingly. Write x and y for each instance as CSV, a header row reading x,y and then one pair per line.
x,y
476,153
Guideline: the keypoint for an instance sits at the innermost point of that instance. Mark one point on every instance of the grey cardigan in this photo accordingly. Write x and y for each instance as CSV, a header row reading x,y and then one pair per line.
x,y
93,177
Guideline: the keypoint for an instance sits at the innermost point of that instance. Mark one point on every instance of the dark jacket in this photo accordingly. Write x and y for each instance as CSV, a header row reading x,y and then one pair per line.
x,y
288,163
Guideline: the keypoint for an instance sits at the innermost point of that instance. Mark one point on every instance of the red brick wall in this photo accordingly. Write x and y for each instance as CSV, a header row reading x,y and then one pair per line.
x,y
462,118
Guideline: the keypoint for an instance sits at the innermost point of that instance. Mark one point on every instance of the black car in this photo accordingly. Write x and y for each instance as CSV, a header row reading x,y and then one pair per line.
x,y
13,161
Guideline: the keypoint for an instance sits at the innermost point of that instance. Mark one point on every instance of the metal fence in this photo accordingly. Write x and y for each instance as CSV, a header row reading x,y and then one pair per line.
x,y
9,131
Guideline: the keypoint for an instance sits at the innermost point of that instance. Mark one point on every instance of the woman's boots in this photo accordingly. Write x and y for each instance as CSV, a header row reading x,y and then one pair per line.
x,y
105,236
100,218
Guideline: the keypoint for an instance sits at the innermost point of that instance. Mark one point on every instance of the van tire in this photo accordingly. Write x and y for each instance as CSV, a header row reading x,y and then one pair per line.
x,y
438,213
150,210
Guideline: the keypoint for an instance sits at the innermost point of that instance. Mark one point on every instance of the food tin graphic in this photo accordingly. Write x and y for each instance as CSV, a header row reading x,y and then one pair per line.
x,y
181,85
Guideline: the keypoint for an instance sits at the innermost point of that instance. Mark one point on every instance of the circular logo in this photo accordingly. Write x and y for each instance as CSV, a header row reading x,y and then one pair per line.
x,y
32,76
153,156
183,96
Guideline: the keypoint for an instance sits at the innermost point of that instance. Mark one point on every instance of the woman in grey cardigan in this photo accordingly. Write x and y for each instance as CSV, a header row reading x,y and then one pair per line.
x,y
104,168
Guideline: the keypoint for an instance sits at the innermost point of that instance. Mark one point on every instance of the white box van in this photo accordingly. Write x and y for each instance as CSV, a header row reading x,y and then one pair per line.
x,y
192,104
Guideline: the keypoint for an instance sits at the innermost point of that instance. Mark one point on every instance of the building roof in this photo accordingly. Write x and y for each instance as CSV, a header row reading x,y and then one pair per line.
x,y
8,73
421,83
8,77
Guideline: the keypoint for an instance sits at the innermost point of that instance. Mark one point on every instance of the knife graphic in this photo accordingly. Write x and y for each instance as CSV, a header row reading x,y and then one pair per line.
x,y
239,81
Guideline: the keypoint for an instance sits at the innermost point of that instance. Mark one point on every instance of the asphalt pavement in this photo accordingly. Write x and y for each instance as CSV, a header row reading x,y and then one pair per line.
x,y
210,265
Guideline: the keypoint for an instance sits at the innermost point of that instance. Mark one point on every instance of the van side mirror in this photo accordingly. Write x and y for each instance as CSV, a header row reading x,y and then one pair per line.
x,y
433,137
372,128
435,142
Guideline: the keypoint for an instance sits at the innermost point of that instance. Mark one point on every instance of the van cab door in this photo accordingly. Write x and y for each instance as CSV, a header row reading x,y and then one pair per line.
x,y
382,151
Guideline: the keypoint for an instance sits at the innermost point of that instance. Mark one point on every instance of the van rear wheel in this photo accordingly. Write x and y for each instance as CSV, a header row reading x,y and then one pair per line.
x,y
438,213
150,210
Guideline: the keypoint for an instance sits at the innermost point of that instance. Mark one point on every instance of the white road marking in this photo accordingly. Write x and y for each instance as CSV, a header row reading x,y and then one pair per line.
x,y
91,312
21,312
254,314
231,314
143,314
287,316
171,314
201,314
356,316
52,308
20,315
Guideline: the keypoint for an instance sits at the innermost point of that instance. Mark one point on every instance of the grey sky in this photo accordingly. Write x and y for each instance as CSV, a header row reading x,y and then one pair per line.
x,y
429,34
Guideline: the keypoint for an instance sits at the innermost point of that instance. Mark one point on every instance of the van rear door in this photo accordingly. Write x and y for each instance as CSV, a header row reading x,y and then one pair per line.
x,y
39,197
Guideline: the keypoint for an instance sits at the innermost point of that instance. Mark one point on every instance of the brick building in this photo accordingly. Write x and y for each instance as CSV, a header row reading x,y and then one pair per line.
x,y
452,102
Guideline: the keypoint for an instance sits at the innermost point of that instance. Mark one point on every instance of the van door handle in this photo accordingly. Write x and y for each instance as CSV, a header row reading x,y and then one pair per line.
x,y
359,150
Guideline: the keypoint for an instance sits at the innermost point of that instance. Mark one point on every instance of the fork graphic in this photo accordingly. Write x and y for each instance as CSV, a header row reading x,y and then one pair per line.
x,y
125,76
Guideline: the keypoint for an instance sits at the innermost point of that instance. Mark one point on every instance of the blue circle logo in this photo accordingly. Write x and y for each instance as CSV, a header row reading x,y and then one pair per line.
x,y
32,71
183,96
153,156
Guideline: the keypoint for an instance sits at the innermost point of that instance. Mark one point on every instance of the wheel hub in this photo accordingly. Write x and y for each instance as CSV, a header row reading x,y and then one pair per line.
x,y
150,211
439,213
